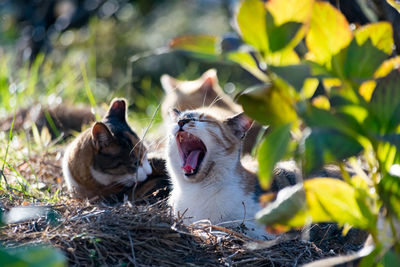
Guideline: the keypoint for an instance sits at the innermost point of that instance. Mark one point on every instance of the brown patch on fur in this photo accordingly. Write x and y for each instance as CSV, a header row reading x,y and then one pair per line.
x,y
79,160
202,92
111,149
210,166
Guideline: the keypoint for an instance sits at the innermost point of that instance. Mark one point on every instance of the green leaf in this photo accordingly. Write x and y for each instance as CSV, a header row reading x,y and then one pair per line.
x,y
295,75
289,201
321,118
390,259
203,46
268,105
387,66
248,62
394,4
271,150
38,256
290,10
250,20
279,37
282,58
387,154
363,60
324,146
389,192
393,139
338,201
328,34
290,19
380,34
326,200
384,106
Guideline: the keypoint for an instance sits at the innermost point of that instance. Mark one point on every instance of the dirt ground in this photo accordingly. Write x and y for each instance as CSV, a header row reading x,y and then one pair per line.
x,y
143,233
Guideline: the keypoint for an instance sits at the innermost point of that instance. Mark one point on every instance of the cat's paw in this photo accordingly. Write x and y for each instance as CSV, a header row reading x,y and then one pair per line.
x,y
144,170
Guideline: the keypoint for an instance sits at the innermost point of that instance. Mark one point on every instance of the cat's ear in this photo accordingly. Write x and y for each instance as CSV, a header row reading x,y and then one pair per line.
x,y
239,124
117,109
168,83
102,136
174,114
210,79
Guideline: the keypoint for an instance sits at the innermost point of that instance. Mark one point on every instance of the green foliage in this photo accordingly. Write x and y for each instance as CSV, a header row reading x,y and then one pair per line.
x,y
329,33
271,151
32,256
289,201
251,24
203,46
268,105
389,190
321,200
355,114
394,4
327,146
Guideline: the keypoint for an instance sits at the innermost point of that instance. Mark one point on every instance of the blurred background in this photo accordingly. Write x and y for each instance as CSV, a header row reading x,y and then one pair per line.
x,y
54,51
46,46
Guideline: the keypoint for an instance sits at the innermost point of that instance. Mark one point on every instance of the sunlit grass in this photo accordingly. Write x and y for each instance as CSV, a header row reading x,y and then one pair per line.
x,y
48,83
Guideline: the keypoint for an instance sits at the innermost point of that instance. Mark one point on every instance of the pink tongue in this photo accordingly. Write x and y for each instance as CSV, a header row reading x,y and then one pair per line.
x,y
191,161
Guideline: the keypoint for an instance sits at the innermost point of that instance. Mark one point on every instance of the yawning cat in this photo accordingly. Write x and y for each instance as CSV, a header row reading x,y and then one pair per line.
x,y
106,158
208,179
203,92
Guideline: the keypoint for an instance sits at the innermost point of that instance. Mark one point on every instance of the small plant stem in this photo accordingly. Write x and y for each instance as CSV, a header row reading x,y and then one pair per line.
x,y
9,188
394,232
88,90
345,174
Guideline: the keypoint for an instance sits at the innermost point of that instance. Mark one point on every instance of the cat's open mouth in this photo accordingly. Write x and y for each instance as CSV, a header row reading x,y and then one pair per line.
x,y
192,151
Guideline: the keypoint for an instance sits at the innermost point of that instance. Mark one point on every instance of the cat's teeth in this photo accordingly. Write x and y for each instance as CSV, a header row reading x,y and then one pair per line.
x,y
180,139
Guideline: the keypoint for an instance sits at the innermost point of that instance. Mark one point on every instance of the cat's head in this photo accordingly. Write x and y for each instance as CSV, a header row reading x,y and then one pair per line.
x,y
203,92
202,143
118,151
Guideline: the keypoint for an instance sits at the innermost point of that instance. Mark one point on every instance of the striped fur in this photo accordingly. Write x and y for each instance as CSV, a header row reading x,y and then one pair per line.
x,y
106,158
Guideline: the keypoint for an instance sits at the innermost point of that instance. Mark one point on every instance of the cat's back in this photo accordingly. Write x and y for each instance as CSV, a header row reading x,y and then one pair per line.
x,y
78,158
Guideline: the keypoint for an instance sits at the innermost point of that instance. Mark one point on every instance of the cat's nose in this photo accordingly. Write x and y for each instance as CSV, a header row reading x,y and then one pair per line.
x,y
182,122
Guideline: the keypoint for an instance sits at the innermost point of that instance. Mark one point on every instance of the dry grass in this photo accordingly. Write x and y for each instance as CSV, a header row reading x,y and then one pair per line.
x,y
143,235
138,234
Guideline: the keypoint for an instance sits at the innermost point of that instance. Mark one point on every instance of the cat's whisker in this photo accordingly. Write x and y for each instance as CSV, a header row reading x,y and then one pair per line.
x,y
204,99
216,99
148,127
158,142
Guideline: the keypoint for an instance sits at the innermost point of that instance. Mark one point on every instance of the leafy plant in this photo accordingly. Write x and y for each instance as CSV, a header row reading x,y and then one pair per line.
x,y
294,47
32,256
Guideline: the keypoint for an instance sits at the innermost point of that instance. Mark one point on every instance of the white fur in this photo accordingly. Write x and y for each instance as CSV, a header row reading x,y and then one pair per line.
x,y
126,179
220,197
144,170
69,179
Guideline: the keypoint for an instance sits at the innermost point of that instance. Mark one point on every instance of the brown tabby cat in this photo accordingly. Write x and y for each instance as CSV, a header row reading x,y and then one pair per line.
x,y
106,158
203,92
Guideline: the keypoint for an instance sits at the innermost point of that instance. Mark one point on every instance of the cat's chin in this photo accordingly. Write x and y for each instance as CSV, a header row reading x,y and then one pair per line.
x,y
194,178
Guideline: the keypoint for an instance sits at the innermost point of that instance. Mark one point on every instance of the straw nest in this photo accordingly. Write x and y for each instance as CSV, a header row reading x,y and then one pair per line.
x,y
145,234
148,235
